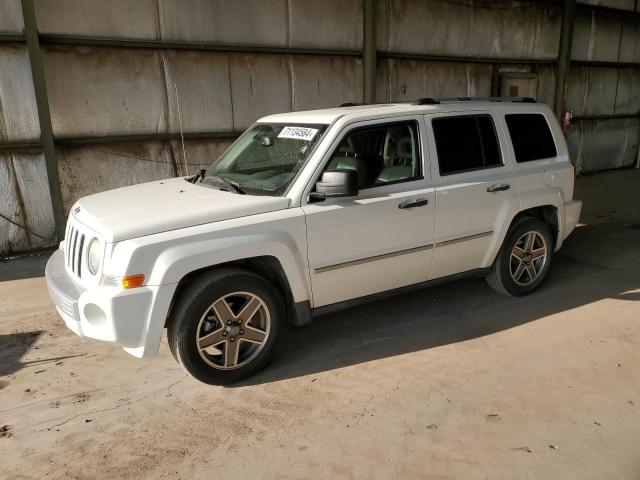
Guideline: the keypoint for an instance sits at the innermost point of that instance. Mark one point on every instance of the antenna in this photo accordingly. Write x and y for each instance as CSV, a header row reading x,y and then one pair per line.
x,y
184,154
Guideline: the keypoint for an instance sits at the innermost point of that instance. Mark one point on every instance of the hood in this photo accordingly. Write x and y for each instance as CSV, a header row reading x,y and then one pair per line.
x,y
165,205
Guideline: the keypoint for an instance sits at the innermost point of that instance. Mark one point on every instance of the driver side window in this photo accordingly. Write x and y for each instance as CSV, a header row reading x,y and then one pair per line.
x,y
381,154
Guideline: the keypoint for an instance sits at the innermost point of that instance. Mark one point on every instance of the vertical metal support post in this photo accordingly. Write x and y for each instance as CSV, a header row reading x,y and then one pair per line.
x,y
636,9
44,116
369,54
495,80
564,55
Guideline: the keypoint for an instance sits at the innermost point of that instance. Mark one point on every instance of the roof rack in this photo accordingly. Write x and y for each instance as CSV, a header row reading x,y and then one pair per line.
x,y
436,101
426,101
359,104
493,99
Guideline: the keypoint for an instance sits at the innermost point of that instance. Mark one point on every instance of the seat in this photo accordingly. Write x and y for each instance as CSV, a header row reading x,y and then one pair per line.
x,y
402,167
393,136
347,158
404,152
395,173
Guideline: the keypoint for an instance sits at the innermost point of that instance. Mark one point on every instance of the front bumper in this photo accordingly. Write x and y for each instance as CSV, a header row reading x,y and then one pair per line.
x,y
109,314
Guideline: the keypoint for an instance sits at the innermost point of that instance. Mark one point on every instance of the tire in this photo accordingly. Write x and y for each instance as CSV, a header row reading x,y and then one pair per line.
x,y
515,262
212,311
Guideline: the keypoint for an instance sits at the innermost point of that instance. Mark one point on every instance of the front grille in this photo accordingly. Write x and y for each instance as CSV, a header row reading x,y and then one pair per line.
x,y
76,240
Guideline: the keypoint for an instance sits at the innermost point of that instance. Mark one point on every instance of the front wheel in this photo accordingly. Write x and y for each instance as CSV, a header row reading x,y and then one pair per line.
x,y
524,259
226,326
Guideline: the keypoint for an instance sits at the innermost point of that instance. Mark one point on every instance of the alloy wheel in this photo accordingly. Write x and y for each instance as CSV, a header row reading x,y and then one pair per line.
x,y
233,330
528,258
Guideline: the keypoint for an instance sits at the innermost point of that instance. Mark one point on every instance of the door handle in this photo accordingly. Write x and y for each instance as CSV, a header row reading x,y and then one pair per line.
x,y
420,202
498,188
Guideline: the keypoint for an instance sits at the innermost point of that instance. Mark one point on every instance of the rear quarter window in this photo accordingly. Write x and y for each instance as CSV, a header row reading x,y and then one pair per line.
x,y
530,136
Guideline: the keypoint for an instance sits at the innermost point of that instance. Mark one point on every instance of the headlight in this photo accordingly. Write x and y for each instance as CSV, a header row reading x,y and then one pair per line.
x,y
94,257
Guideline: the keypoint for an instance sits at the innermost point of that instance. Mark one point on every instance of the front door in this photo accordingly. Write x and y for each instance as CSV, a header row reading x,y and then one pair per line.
x,y
383,238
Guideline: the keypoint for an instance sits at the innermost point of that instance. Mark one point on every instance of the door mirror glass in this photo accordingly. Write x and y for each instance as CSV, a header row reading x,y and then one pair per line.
x,y
338,183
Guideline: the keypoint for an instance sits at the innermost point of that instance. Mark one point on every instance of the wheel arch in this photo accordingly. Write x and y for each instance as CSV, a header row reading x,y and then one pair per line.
x,y
546,213
545,205
268,267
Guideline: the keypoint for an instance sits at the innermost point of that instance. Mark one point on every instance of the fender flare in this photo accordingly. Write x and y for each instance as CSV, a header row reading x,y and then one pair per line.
x,y
542,197
175,262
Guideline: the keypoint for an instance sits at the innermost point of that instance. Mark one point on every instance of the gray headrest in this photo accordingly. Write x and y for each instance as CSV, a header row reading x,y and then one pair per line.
x,y
404,149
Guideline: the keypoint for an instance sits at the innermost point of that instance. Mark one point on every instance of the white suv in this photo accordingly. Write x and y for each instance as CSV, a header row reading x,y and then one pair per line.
x,y
309,211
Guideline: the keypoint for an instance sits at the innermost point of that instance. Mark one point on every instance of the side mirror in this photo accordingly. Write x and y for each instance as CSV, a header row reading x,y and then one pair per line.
x,y
266,141
337,183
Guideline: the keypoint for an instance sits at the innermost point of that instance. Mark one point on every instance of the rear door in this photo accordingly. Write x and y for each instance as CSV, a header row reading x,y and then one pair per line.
x,y
475,188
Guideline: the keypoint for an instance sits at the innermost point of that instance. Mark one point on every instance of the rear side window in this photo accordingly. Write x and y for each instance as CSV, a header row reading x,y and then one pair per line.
x,y
466,143
530,136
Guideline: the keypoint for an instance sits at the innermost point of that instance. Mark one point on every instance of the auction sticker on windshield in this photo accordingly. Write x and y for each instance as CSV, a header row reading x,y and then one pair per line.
x,y
298,133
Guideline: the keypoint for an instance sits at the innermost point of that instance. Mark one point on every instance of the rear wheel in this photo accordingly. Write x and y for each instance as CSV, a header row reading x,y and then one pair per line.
x,y
226,326
524,259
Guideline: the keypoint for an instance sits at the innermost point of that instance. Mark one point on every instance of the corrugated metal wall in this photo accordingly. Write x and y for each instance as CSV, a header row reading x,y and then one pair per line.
x,y
599,143
506,30
293,55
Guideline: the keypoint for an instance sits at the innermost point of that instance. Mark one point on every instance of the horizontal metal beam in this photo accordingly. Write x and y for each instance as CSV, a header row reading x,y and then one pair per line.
x,y
605,9
90,41
96,139
12,37
466,59
144,137
615,116
503,61
606,64
163,137
15,146
76,40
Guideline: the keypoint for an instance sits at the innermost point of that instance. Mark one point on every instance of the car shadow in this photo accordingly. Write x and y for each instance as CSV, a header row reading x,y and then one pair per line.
x,y
586,270
13,348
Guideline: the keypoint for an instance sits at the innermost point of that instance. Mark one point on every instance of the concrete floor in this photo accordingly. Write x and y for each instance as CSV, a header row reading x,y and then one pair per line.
x,y
453,382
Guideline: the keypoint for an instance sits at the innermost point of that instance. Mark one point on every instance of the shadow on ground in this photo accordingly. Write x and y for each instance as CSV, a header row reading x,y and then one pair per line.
x,y
595,263
14,347
26,266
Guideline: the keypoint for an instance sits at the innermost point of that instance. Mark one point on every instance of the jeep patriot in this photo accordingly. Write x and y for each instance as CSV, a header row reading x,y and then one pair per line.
x,y
311,211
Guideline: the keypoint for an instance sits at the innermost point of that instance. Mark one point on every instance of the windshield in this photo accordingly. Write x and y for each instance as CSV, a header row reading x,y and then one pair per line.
x,y
266,158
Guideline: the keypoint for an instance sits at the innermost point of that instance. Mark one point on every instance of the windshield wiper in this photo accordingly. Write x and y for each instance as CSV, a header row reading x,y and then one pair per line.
x,y
200,175
226,181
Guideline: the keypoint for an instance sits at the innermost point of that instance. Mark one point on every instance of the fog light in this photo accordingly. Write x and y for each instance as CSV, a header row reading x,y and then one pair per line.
x,y
94,314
